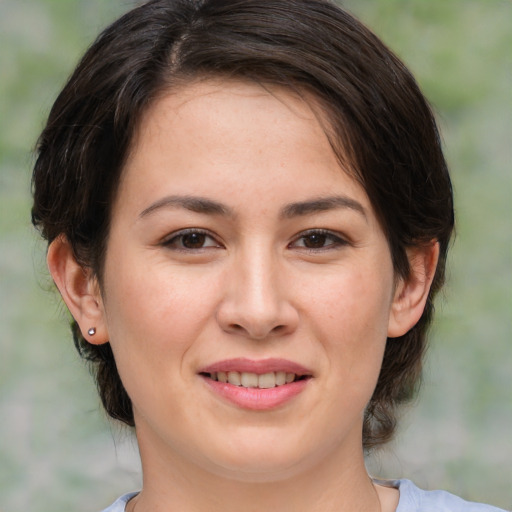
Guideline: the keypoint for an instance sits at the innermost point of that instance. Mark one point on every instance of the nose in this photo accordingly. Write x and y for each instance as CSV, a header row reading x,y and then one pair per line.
x,y
256,301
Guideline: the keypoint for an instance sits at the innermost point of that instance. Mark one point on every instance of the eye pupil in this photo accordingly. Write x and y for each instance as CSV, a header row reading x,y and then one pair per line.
x,y
315,240
193,240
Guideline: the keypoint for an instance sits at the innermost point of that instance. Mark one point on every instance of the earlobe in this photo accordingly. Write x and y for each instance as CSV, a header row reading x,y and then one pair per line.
x,y
411,294
79,290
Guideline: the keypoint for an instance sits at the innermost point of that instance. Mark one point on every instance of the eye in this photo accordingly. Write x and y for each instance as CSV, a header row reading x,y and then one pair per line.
x,y
190,240
318,239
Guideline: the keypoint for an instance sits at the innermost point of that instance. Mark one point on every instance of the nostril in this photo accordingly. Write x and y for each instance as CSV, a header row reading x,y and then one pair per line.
x,y
255,332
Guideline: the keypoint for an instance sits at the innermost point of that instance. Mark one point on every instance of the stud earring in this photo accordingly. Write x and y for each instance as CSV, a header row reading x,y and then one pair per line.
x,y
91,331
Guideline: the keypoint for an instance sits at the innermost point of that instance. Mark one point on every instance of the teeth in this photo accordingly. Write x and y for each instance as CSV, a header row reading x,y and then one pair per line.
x,y
234,378
253,380
280,378
267,380
249,380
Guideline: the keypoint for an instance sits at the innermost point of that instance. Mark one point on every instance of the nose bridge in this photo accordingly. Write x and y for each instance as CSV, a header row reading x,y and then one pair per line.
x,y
256,303
261,287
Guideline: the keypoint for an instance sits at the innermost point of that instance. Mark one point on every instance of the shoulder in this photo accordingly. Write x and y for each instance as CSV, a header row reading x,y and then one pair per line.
x,y
120,504
413,499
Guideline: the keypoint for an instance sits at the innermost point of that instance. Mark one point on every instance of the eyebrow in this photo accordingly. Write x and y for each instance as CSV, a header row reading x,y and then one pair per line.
x,y
297,209
192,203
322,204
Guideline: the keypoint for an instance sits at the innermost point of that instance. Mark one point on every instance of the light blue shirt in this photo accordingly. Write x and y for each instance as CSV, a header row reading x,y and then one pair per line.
x,y
412,499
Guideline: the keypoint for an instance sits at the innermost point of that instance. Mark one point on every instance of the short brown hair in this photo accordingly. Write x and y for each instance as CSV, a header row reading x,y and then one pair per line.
x,y
379,122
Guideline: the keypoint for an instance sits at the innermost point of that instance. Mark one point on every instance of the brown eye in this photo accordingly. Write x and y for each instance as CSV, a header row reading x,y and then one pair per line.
x,y
315,240
193,240
190,240
318,239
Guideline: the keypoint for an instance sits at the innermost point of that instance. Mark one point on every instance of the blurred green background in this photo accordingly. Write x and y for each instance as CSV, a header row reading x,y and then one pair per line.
x,y
59,453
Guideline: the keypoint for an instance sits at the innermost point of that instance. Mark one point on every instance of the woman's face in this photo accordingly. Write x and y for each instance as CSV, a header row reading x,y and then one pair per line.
x,y
240,250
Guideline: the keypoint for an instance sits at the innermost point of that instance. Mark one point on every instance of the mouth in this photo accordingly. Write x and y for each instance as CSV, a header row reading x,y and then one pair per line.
x,y
253,380
256,385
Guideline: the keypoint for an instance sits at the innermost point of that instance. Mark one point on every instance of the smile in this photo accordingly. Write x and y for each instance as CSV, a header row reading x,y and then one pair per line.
x,y
253,380
256,385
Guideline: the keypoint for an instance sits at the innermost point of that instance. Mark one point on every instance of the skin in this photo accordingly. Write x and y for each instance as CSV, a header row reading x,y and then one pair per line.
x,y
254,277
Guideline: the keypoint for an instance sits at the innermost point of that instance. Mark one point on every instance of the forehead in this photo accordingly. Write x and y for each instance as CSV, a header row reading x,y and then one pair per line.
x,y
218,103
201,131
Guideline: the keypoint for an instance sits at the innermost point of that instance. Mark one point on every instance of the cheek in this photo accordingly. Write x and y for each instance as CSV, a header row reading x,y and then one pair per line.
x,y
153,324
350,315
353,300
156,312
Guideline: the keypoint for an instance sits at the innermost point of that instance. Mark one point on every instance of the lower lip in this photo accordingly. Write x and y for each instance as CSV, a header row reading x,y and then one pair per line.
x,y
257,399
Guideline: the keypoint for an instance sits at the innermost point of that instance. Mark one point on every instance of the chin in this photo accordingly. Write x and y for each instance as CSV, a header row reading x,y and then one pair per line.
x,y
269,461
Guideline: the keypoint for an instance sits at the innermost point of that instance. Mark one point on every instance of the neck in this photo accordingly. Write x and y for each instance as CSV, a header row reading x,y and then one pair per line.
x,y
336,484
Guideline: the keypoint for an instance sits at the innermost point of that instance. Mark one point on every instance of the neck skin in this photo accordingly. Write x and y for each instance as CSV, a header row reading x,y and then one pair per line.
x,y
338,483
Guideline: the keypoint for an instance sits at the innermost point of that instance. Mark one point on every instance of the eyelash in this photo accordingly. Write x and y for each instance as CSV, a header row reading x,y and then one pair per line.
x,y
177,240
336,240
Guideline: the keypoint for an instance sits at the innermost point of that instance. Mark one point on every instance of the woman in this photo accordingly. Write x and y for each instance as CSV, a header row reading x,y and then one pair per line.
x,y
248,215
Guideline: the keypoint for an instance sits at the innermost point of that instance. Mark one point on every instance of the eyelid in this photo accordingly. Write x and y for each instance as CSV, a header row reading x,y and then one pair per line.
x,y
168,240
339,239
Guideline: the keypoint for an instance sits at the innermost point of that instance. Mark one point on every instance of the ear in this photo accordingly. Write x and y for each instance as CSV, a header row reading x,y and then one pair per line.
x,y
411,294
79,289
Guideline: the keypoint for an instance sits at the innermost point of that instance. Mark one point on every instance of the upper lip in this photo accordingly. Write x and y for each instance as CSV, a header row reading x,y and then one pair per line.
x,y
258,366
